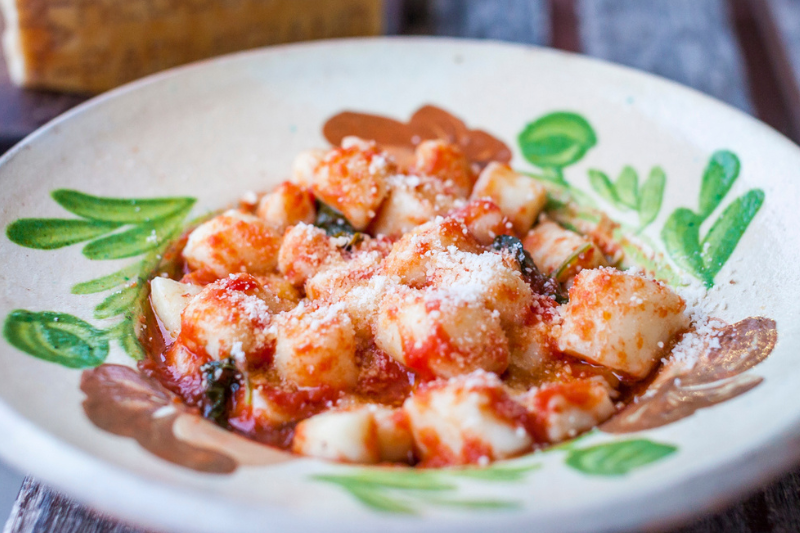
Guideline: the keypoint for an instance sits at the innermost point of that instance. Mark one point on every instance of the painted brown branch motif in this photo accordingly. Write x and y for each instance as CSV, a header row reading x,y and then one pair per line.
x,y
125,402
717,376
428,122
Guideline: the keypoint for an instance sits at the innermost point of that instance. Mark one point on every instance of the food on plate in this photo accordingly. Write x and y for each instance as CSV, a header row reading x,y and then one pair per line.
x,y
429,315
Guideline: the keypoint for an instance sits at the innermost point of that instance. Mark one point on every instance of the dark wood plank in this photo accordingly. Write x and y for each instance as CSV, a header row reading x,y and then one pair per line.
x,y
783,504
778,23
689,41
523,21
765,91
564,24
41,510
23,111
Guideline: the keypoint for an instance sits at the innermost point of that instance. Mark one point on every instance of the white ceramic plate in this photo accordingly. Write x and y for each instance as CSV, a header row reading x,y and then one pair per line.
x,y
213,130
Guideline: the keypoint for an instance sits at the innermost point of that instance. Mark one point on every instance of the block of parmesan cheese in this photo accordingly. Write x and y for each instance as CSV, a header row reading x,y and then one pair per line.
x,y
94,45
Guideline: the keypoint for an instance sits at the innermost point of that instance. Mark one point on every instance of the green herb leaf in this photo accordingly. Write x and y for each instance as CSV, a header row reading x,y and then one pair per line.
x,y
618,458
121,210
681,236
724,235
56,337
556,140
603,186
570,261
118,303
721,172
135,241
111,281
220,379
332,221
628,188
651,196
513,246
52,233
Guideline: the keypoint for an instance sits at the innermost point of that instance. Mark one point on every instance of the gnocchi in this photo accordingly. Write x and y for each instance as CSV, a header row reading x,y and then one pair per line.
x,y
520,198
364,313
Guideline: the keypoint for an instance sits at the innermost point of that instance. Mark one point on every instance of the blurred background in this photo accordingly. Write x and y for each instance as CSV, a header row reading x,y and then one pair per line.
x,y
58,53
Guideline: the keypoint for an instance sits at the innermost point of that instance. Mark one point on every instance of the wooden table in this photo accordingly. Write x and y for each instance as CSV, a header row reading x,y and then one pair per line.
x,y
744,52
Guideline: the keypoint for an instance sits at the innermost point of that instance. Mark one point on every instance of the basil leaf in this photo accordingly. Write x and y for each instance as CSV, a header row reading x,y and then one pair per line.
x,y
332,221
221,380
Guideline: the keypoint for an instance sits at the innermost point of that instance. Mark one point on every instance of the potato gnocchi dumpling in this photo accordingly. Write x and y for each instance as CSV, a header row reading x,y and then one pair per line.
x,y
519,197
352,179
438,335
469,419
286,206
447,163
233,242
427,314
621,321
316,346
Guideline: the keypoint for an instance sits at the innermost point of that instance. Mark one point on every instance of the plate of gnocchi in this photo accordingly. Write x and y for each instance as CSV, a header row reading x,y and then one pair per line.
x,y
393,283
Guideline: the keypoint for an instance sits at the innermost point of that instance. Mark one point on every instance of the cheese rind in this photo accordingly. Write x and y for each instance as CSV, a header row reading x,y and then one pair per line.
x,y
80,46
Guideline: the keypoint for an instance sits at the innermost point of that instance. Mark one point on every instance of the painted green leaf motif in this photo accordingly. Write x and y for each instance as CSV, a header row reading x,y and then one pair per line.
x,y
52,233
718,178
378,500
119,302
111,281
724,235
681,236
120,210
134,241
476,505
556,140
126,337
395,490
497,473
399,479
617,458
56,337
603,186
650,197
627,187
